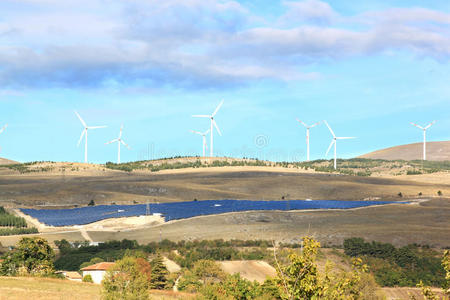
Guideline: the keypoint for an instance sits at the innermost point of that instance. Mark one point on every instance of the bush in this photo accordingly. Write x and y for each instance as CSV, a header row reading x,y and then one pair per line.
x,y
88,278
126,281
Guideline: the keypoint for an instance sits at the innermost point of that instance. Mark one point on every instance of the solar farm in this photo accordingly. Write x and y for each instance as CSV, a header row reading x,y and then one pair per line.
x,y
182,210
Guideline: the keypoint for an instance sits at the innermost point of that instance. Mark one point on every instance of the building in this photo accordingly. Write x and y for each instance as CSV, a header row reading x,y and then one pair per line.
x,y
73,276
97,271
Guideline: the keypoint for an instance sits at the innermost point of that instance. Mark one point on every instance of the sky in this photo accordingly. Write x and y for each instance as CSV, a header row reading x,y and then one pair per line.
x,y
367,67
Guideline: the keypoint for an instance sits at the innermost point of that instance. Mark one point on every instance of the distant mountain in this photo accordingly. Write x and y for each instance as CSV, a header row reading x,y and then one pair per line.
x,y
4,161
437,151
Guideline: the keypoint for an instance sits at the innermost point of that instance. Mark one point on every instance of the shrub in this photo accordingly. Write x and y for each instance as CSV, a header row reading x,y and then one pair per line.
x,y
88,278
125,281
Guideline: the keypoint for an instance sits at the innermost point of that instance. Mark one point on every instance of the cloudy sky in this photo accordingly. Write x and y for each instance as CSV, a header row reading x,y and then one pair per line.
x,y
367,67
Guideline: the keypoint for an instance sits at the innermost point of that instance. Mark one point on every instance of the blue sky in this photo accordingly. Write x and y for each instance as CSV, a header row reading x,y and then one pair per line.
x,y
367,67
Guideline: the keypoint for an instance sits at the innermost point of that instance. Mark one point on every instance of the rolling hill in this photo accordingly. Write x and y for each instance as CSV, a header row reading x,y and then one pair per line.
x,y
4,161
436,151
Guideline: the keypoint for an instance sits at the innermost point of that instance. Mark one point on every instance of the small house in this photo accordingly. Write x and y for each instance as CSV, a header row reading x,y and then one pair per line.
x,y
97,271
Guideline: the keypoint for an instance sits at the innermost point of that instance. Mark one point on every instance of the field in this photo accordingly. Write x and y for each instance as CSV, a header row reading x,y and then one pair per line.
x,y
19,288
436,151
15,288
56,185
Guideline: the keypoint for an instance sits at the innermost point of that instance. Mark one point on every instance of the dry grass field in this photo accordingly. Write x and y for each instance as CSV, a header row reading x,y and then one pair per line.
x,y
424,223
20,288
32,189
437,151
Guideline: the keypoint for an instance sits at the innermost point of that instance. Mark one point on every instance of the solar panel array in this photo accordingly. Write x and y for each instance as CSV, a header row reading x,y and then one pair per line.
x,y
182,210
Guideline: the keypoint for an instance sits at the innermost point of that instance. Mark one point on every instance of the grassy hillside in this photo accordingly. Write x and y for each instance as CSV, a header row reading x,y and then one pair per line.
x,y
4,161
436,151
19,288
105,186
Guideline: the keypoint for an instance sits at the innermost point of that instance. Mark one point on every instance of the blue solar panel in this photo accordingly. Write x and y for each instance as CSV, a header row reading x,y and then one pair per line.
x,y
182,210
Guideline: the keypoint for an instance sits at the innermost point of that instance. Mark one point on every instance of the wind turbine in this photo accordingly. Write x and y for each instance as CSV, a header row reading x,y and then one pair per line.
x,y
203,134
85,133
334,141
307,136
119,141
213,123
424,137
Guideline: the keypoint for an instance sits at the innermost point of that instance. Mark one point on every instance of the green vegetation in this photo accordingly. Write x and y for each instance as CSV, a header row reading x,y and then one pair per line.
x,y
159,273
128,279
353,167
72,258
15,231
10,224
88,278
405,266
154,167
32,257
25,167
141,268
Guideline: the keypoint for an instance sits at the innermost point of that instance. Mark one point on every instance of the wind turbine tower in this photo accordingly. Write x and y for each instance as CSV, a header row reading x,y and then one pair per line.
x,y
203,134
307,136
213,123
85,134
334,141
424,137
119,141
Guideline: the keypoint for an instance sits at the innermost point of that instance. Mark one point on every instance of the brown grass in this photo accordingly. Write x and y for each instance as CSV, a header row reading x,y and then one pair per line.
x,y
20,288
438,151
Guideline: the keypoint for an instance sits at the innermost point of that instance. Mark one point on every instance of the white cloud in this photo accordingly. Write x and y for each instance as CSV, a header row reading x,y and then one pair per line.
x,y
314,11
197,42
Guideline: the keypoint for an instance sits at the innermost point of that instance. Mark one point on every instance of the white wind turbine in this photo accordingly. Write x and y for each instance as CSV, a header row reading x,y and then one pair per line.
x,y
334,141
424,137
213,123
307,136
203,134
85,133
119,141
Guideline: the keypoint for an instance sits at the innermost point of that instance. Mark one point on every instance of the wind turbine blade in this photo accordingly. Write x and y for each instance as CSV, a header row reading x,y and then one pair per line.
x,y
429,125
206,132
96,127
81,137
120,133
418,126
81,120
201,116
331,145
113,141
125,144
345,137
314,125
301,122
196,132
217,108
217,127
329,128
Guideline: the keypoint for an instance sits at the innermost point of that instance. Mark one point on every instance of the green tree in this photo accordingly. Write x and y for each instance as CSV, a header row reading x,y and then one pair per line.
x,y
301,279
63,245
33,256
208,271
159,273
125,281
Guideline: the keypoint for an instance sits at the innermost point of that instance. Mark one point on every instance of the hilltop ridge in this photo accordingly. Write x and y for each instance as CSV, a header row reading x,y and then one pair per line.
x,y
436,151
